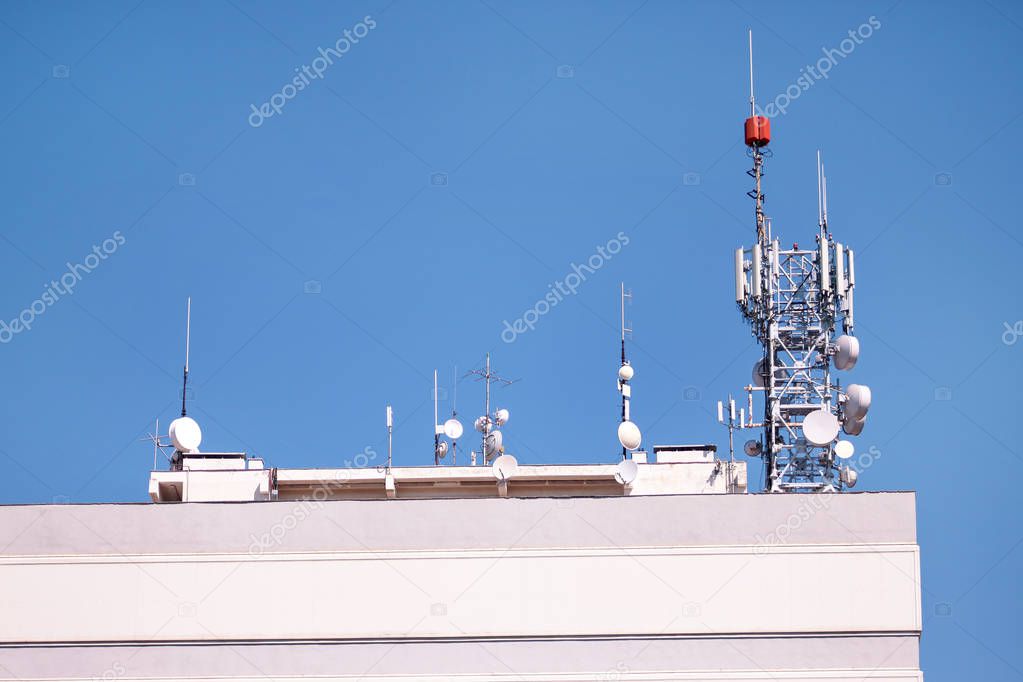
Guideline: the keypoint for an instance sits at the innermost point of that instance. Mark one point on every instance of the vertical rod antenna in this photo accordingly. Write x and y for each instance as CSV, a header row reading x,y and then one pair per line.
x,y
820,193
390,431
436,416
752,102
454,413
188,334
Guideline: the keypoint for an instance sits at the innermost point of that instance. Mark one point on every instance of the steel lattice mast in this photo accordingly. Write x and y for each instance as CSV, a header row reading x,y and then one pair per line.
x,y
794,299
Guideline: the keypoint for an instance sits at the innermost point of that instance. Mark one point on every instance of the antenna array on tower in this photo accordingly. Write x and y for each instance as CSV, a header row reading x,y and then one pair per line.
x,y
793,299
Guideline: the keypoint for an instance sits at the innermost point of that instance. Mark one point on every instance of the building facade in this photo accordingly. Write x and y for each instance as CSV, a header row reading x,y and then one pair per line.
x,y
611,586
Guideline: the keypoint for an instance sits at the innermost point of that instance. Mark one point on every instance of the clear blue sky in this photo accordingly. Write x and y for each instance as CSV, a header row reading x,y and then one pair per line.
x,y
451,164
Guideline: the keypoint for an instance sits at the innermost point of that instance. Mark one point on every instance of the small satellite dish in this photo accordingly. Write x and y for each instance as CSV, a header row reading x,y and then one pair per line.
x,y
629,435
753,448
504,466
627,471
481,424
626,372
442,449
759,373
185,434
848,351
844,449
849,476
858,401
495,441
854,427
453,429
820,427
502,416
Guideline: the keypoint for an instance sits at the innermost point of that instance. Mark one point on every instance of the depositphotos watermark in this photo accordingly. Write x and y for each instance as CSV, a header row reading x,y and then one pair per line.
x,y
809,75
558,290
309,72
65,286
304,508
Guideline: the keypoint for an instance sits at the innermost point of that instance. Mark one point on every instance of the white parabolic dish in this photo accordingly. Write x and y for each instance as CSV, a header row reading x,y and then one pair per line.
x,y
453,429
844,449
859,401
820,427
629,436
627,471
848,351
626,372
185,434
504,467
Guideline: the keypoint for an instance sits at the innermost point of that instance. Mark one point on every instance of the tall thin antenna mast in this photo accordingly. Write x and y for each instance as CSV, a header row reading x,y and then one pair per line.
x,y
486,423
628,433
188,334
758,136
623,383
436,416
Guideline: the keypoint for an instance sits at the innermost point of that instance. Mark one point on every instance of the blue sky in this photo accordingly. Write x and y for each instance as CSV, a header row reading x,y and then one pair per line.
x,y
450,165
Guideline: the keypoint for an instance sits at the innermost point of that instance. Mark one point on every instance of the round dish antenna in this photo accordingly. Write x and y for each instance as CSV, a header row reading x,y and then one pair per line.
x,y
494,444
753,448
453,429
627,471
854,427
844,449
185,434
820,427
848,352
626,372
442,449
504,467
502,416
759,373
849,476
858,403
629,435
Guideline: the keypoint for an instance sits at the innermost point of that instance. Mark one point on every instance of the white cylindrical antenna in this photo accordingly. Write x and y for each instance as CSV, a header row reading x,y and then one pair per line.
x,y
740,277
721,412
840,284
731,409
436,415
825,265
851,275
742,417
752,102
757,257
824,195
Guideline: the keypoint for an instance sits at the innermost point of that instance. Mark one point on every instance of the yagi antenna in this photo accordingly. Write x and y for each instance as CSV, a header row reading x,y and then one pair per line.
x,y
188,333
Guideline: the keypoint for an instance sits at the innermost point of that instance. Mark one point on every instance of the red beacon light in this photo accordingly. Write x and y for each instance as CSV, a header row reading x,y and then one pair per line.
x,y
758,128
758,131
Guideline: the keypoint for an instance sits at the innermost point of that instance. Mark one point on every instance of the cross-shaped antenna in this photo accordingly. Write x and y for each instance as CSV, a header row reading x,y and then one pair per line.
x,y
487,375
154,438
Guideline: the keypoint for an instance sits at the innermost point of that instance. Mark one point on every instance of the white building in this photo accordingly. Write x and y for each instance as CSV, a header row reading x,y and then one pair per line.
x,y
446,573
